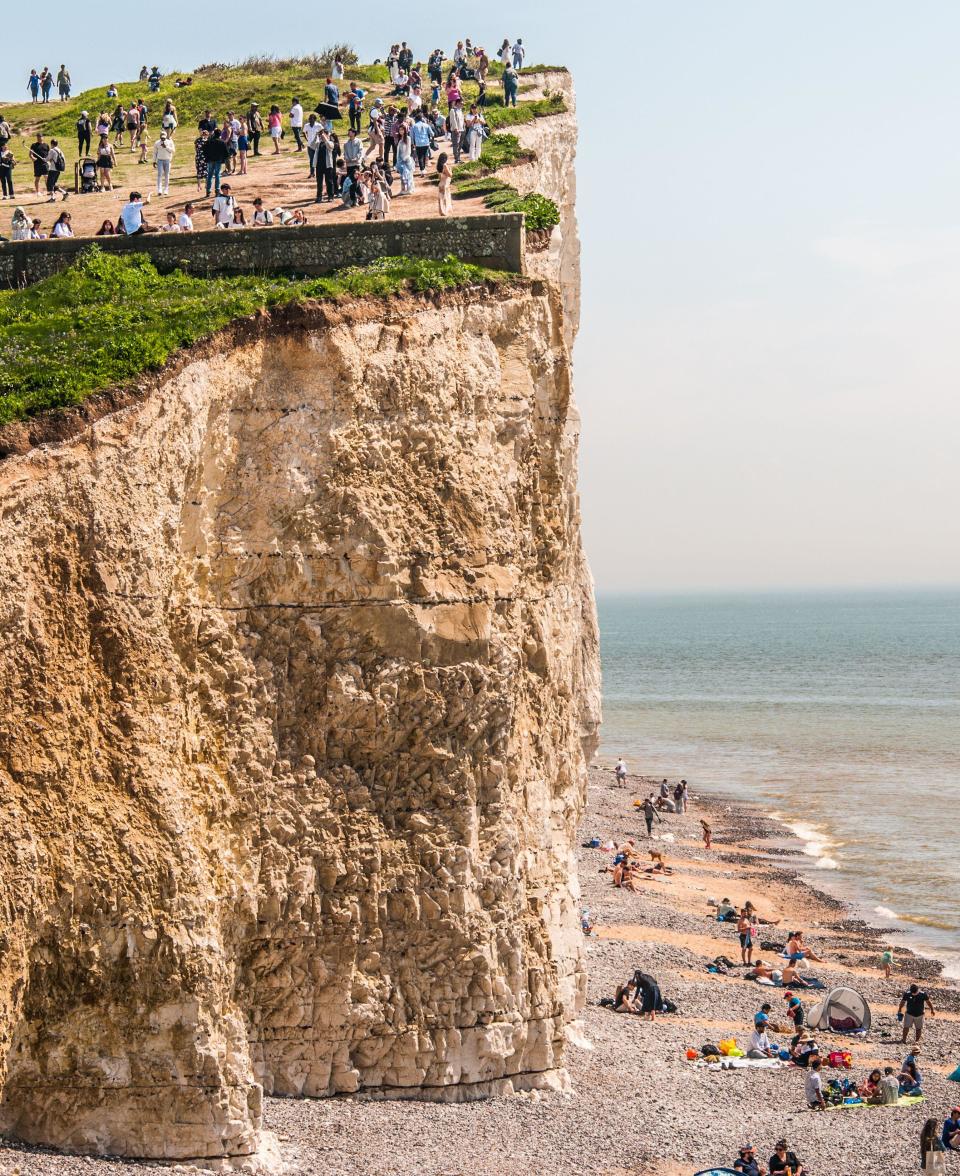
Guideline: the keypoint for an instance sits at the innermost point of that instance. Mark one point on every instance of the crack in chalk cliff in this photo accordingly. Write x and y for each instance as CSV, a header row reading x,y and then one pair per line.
x,y
305,606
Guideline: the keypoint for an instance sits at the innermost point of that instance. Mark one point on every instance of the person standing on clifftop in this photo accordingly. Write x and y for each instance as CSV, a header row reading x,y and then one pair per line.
x,y
511,84
296,122
63,83
518,53
255,123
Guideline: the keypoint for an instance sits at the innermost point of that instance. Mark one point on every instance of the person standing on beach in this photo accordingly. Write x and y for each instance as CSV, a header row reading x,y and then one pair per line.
x,y
914,1001
678,799
886,962
620,771
649,812
707,833
745,931
813,1087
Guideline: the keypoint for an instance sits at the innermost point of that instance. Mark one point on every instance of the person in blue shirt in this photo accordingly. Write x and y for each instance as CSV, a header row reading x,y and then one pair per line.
x,y
950,1136
422,135
33,85
331,93
355,106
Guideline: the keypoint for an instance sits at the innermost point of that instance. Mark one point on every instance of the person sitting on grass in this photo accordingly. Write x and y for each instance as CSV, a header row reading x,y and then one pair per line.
x,y
747,1162
950,1136
785,1161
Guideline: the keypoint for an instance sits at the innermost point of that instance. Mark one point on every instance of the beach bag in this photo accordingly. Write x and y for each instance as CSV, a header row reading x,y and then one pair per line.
x,y
840,1059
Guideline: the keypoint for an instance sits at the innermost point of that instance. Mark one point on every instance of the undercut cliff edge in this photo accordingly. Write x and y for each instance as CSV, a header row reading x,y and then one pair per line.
x,y
299,679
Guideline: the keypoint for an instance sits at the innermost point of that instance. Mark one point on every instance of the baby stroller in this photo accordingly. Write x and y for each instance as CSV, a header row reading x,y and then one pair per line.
x,y
87,176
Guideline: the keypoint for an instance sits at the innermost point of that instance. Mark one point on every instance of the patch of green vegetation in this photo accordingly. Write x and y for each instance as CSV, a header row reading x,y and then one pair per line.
x,y
478,179
110,317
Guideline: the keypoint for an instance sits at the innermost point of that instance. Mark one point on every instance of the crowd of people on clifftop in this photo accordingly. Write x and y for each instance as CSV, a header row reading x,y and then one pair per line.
x,y
422,126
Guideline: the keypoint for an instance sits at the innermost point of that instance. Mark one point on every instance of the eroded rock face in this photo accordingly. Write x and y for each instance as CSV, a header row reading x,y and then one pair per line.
x,y
298,670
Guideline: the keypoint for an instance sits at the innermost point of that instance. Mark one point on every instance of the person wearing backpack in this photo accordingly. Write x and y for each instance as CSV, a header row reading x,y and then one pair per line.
x,y
83,134
7,164
56,165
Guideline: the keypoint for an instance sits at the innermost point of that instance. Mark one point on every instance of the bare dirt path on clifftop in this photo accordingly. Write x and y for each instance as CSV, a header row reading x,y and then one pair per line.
x,y
637,1108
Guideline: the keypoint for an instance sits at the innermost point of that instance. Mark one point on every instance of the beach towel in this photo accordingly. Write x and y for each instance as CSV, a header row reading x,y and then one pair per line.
x,y
744,1064
905,1100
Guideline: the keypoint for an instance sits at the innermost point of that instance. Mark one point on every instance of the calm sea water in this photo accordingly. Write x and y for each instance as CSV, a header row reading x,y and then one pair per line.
x,y
840,714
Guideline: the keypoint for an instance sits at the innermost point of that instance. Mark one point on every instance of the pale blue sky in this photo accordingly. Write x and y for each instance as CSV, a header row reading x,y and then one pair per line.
x,y
767,369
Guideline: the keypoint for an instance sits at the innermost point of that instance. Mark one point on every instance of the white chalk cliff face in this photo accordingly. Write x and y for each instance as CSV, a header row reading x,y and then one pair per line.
x,y
299,672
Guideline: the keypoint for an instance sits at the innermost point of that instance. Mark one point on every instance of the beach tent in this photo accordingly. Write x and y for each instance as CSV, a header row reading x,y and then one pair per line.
x,y
844,1010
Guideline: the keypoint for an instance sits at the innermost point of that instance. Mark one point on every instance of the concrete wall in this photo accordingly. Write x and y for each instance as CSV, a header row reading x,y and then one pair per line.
x,y
496,241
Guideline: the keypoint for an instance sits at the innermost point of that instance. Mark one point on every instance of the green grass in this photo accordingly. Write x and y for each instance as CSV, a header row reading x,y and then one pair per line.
x,y
109,318
479,179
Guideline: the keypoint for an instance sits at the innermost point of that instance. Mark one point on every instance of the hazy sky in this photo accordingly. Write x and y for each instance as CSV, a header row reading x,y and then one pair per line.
x,y
768,199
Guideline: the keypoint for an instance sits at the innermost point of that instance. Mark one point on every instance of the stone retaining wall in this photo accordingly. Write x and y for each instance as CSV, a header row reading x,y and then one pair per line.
x,y
496,241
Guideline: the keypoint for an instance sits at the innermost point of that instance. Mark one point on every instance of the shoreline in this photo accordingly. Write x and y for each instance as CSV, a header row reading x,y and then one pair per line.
x,y
636,1106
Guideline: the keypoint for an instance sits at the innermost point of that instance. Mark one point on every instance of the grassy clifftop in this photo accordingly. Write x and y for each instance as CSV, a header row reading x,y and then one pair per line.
x,y
108,319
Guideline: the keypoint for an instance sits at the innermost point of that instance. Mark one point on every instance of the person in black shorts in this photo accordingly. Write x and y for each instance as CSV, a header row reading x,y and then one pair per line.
x,y
911,1008
38,157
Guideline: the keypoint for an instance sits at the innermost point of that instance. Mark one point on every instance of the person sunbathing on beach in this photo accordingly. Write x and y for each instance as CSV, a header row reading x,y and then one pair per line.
x,y
791,976
659,864
797,950
762,971
758,919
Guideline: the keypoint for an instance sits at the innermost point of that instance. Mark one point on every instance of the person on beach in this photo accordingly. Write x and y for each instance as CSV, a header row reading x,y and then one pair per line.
x,y
950,1136
911,1009
931,1148
796,950
760,1044
785,1161
747,1162
795,1010
909,1080
869,1088
726,911
813,1087
757,919
886,962
803,1049
707,833
649,812
745,931
620,771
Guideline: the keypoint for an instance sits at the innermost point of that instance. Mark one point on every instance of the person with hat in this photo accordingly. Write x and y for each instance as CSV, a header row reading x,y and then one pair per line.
x,y
747,1162
785,1161
803,1049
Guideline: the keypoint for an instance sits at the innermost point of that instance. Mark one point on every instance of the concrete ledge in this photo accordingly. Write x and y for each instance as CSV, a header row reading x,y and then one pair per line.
x,y
496,241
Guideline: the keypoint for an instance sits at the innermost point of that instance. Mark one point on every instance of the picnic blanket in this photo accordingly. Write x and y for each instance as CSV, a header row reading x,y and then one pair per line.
x,y
744,1064
905,1100
811,982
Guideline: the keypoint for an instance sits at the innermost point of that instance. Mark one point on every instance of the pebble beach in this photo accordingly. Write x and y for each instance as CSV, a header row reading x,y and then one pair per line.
x,y
636,1105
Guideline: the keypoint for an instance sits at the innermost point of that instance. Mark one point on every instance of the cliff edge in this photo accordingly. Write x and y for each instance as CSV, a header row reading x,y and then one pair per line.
x,y
299,678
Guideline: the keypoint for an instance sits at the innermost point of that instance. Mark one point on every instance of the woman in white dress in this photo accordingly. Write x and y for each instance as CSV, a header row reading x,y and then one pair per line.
x,y
446,179
475,124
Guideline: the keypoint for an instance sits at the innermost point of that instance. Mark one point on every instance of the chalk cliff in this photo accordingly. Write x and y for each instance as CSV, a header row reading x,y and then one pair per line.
x,y
298,673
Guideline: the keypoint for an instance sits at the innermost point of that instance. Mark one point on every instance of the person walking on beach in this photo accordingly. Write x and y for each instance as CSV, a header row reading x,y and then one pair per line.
x,y
707,833
649,812
678,798
745,931
912,1005
620,771
886,962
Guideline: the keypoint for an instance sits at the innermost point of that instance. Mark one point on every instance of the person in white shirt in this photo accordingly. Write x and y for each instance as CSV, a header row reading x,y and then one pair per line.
x,y
62,226
171,226
621,771
296,122
163,151
223,208
261,215
519,53
456,125
760,1046
185,219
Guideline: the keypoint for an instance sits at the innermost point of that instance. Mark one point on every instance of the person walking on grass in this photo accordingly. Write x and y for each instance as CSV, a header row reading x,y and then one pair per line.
x,y
38,157
7,164
56,166
46,83
912,1006
84,129
215,155
296,122
106,161
163,151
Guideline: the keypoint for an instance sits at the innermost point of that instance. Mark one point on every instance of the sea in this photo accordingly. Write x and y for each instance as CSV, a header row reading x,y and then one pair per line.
x,y
838,714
